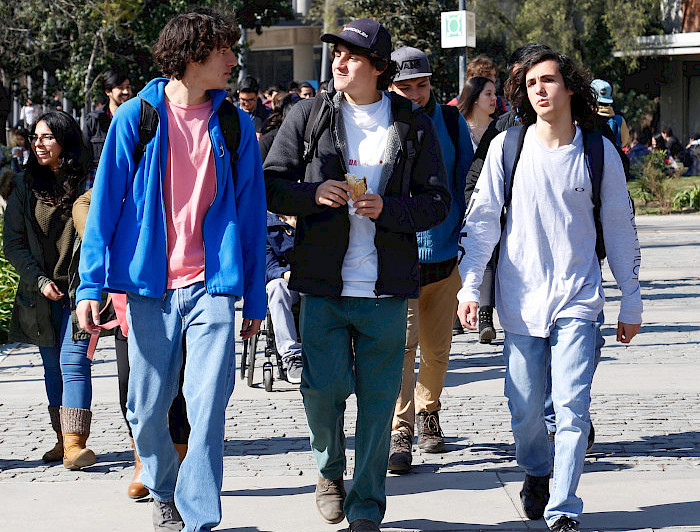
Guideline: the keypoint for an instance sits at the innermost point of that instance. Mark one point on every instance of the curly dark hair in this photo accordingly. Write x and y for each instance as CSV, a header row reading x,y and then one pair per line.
x,y
470,94
191,37
386,66
576,79
61,188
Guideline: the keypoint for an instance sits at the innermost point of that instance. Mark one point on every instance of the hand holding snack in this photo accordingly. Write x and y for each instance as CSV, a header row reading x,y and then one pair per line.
x,y
332,193
358,185
369,205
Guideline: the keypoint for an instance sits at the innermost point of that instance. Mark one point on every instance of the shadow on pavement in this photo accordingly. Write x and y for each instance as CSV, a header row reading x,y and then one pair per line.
x,y
686,514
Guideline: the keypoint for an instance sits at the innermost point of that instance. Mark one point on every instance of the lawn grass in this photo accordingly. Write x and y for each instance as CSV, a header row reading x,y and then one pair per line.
x,y
684,183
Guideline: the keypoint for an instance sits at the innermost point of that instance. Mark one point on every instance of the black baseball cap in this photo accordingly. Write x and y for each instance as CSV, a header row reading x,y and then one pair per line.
x,y
363,33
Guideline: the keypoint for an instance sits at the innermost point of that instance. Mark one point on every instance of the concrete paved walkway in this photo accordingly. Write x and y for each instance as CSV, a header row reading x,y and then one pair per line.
x,y
643,474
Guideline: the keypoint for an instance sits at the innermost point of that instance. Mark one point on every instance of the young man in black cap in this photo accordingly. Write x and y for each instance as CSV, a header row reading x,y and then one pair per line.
x,y
355,256
432,314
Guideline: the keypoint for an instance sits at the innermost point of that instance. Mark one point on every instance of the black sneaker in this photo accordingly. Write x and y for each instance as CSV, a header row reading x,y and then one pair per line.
x,y
564,524
293,370
400,458
457,328
535,496
165,517
430,437
487,332
591,439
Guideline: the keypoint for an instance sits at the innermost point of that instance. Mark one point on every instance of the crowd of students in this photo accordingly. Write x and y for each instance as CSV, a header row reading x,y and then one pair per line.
x,y
185,218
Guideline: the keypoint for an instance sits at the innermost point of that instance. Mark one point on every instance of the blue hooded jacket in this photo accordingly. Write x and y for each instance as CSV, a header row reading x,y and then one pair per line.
x,y
440,243
125,241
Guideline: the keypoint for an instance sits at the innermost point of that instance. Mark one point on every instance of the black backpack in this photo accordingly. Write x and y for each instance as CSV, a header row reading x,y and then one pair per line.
x,y
228,120
402,111
594,154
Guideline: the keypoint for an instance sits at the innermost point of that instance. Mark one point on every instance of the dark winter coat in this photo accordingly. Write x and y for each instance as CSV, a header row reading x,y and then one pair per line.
x,y
413,201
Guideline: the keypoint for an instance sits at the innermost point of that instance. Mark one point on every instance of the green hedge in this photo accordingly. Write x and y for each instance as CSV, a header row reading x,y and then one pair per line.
x,y
8,286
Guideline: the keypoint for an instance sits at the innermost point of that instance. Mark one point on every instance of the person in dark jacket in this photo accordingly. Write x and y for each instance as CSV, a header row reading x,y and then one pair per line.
x,y
250,102
117,89
282,102
355,255
41,242
280,299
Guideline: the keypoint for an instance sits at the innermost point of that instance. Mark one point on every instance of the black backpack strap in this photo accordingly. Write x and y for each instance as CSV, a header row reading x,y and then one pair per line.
x,y
594,155
512,146
318,120
230,124
148,124
405,122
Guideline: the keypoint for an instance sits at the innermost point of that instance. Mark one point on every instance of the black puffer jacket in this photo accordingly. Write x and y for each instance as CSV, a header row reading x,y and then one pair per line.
x,y
322,233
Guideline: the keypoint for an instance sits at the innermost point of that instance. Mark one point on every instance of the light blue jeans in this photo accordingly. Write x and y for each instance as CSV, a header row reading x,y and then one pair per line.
x,y
66,365
570,352
156,329
549,416
280,300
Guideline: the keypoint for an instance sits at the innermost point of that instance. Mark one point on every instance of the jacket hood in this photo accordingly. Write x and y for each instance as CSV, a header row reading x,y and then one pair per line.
x,y
154,93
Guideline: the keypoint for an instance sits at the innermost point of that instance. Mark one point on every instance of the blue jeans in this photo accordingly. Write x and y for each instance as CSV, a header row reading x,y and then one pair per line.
x,y
549,416
570,352
66,365
353,344
156,330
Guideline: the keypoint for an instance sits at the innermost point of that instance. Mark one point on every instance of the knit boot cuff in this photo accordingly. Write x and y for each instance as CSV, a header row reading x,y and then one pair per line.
x,y
55,415
76,420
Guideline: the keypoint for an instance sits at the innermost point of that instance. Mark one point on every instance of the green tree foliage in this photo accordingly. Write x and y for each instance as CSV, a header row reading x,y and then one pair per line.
x,y
587,30
75,39
8,286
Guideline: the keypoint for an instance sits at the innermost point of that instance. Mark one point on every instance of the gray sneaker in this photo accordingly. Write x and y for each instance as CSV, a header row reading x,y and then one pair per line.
x,y
294,369
166,518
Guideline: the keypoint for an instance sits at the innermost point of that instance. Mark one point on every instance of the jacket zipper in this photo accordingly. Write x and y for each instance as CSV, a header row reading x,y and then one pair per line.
x,y
216,190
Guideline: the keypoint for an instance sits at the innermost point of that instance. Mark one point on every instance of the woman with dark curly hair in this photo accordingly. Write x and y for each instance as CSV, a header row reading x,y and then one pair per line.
x,y
42,244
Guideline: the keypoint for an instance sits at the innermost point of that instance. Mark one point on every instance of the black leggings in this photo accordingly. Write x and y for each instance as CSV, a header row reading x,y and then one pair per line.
x,y
177,416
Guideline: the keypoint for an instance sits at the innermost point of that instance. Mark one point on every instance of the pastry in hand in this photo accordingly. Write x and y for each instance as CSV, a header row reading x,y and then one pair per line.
x,y
359,185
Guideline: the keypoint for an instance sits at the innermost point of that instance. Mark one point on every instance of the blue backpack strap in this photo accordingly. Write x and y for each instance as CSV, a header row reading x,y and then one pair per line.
x,y
512,146
594,155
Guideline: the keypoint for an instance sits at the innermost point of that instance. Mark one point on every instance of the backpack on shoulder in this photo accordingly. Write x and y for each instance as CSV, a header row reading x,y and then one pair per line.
x,y
402,111
228,120
594,156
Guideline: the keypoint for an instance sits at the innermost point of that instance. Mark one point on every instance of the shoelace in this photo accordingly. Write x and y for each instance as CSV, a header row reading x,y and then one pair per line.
x,y
431,425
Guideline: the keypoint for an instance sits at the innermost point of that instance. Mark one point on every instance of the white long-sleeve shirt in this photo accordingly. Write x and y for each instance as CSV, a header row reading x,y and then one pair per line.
x,y
547,267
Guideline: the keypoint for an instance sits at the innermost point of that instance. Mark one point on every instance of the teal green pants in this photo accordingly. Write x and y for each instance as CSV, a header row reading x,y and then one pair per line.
x,y
352,344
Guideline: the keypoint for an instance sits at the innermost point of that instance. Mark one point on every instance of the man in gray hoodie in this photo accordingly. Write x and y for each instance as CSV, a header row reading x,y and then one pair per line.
x,y
549,291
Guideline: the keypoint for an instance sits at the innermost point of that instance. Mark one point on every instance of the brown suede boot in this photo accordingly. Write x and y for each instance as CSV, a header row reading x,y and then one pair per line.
x,y
56,453
181,449
136,489
76,429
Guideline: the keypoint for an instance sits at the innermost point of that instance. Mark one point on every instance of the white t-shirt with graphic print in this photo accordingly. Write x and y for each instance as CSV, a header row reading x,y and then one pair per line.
x,y
366,130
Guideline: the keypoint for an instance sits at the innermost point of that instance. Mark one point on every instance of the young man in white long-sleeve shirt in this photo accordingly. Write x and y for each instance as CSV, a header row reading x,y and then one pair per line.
x,y
548,286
